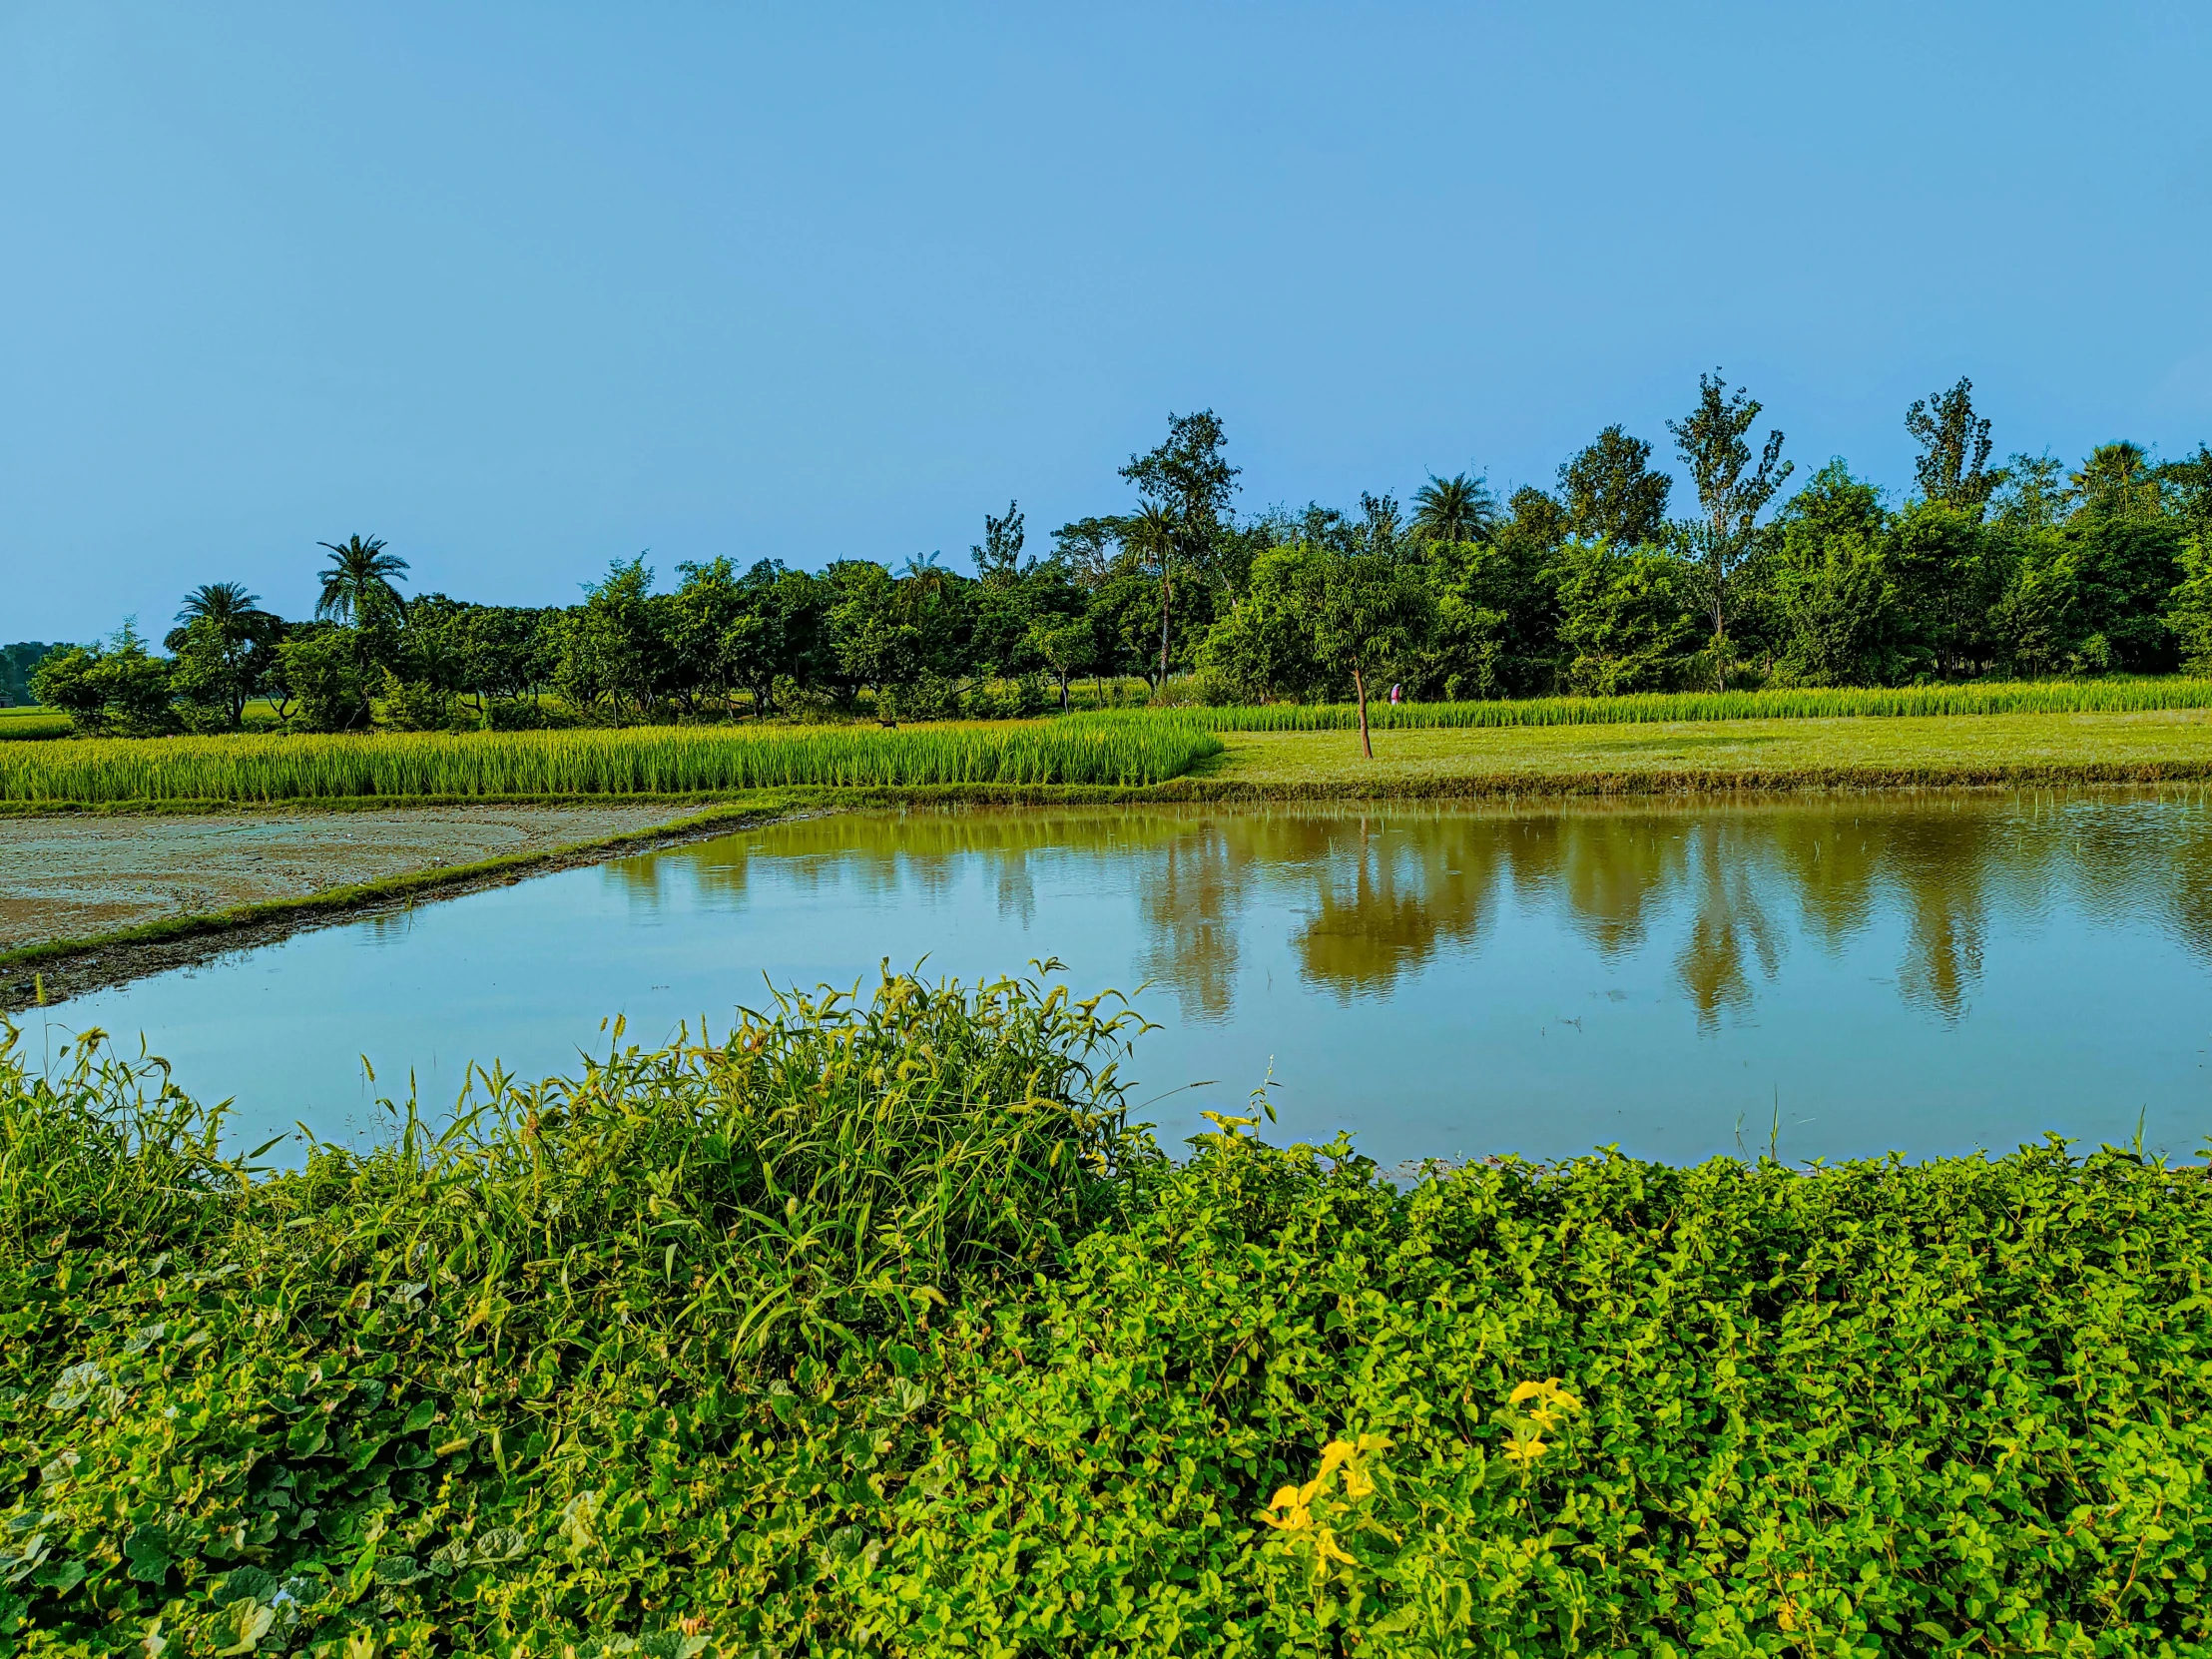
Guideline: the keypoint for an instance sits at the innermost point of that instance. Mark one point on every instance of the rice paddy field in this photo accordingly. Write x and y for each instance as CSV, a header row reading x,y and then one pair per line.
x,y
2040,696
1691,756
640,761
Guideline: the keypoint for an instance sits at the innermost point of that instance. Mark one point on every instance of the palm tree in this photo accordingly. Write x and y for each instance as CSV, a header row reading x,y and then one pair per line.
x,y
223,616
225,604
1151,534
358,584
1454,509
925,577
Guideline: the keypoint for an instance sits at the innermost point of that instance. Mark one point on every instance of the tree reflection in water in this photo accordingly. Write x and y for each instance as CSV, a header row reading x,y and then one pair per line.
x,y
1380,892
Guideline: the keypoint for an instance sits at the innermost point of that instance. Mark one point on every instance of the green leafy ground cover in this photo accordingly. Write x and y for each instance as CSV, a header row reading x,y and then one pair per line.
x,y
877,1329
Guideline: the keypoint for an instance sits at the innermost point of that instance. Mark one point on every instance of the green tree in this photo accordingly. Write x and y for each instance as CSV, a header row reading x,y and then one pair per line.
x,y
1153,535
2034,495
224,646
1189,475
1627,618
1186,484
697,620
1950,569
2189,614
999,556
317,668
1844,616
610,648
1263,647
1455,510
2186,485
1372,613
2118,480
876,641
1711,440
1612,493
1089,548
1954,446
117,687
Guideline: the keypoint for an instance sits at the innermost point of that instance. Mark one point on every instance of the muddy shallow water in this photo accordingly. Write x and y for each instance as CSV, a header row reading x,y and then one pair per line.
x,y
1834,977
69,876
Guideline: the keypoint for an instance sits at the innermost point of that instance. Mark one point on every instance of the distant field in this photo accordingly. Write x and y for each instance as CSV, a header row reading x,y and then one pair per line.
x,y
32,722
1741,754
639,760
2021,696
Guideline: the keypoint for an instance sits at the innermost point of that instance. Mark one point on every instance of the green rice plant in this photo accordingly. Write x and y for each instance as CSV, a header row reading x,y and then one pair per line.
x,y
2054,696
637,760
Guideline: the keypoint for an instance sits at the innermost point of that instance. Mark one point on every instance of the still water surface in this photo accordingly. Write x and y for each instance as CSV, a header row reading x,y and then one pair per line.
x,y
1929,973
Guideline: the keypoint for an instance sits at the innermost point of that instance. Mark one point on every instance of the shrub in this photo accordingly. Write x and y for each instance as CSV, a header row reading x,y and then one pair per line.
x,y
875,1329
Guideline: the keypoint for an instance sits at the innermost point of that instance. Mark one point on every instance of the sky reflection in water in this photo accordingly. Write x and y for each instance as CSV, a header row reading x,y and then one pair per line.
x,y
1844,976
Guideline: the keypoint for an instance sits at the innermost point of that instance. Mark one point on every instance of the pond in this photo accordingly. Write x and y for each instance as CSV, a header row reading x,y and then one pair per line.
x,y
1830,976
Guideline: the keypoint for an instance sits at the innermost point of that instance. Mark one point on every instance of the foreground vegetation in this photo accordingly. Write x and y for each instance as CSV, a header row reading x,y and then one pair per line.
x,y
636,760
880,1329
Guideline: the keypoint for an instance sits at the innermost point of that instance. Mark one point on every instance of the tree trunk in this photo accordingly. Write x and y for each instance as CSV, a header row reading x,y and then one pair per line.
x,y
1167,598
1361,686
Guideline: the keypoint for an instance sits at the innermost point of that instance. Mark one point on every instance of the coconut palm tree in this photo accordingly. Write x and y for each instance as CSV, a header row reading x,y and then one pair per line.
x,y
1152,534
1454,509
358,586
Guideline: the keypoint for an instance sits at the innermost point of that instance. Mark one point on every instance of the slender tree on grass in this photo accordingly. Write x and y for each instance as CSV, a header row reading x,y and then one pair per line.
x,y
1372,612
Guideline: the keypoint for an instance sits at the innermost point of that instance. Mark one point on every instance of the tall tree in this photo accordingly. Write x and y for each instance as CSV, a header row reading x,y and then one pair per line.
x,y
1954,446
1188,475
1611,490
2034,495
358,586
1711,440
224,645
1379,529
1455,510
2118,480
998,557
1152,535
1088,547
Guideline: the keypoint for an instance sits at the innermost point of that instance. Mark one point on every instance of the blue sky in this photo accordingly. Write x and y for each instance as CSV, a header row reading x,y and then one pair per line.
x,y
526,288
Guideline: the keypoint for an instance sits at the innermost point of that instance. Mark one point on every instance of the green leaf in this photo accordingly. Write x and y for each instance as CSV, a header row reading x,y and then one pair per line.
x,y
148,1553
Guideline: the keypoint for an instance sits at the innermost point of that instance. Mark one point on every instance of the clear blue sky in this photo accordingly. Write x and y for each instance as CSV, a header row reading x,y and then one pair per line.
x,y
525,287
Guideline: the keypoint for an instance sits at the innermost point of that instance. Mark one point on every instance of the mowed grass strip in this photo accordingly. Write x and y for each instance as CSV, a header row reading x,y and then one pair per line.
x,y
1768,753
641,761
2024,697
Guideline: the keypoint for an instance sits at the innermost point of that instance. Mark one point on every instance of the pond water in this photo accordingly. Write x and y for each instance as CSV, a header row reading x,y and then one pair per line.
x,y
1834,976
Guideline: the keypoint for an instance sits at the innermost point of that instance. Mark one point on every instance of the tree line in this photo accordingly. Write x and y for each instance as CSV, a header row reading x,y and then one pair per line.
x,y
1595,586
